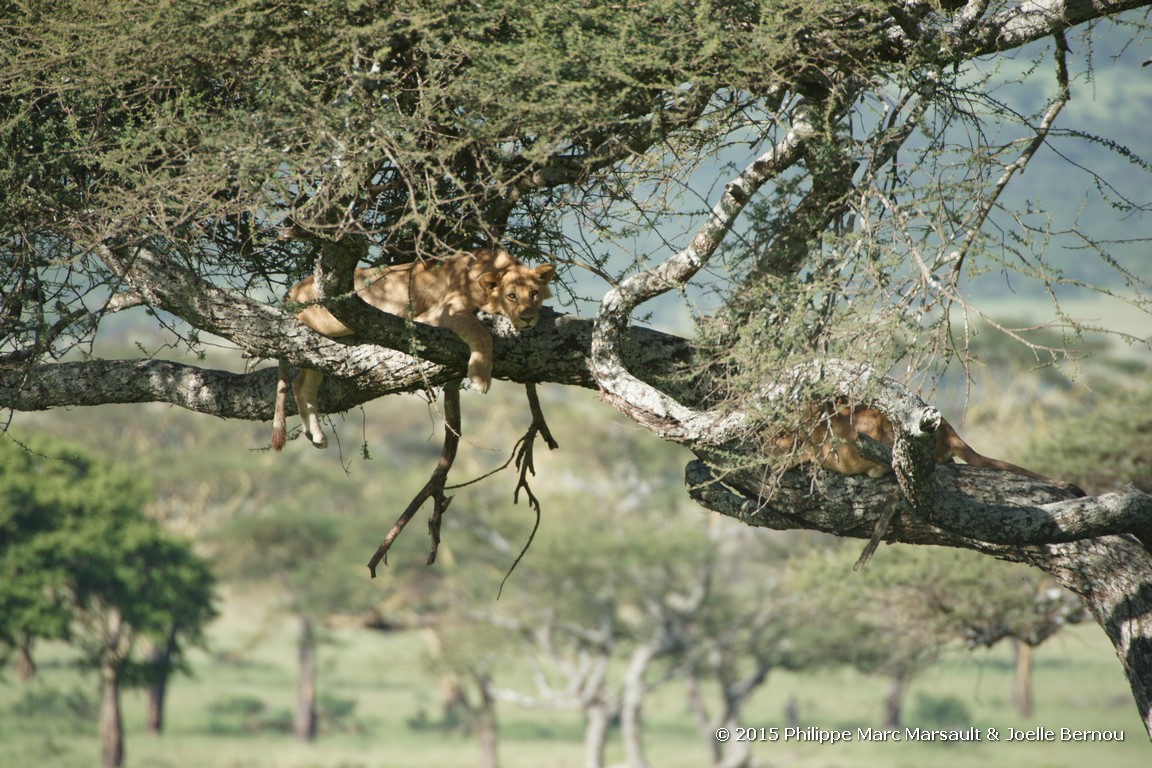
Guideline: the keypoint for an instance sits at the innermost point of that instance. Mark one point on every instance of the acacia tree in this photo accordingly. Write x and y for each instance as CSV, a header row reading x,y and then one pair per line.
x,y
191,161
82,563
300,556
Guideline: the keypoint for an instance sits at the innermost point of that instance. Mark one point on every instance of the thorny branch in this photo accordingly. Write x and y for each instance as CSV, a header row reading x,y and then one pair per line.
x,y
607,363
1016,166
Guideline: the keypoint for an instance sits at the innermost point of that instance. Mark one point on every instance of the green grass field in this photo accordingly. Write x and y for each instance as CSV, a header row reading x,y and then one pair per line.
x,y
1078,685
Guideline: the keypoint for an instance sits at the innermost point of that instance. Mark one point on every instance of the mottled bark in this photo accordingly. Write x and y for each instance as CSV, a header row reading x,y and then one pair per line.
x,y
1102,562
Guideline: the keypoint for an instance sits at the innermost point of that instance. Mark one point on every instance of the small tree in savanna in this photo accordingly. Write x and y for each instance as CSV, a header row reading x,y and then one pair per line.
x,y
299,556
648,601
835,186
904,612
81,563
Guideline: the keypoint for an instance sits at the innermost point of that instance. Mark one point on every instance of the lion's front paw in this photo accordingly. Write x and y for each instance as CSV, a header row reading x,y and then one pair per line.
x,y
480,373
480,383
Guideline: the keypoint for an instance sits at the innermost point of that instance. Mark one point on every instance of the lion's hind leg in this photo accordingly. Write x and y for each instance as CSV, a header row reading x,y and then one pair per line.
x,y
304,389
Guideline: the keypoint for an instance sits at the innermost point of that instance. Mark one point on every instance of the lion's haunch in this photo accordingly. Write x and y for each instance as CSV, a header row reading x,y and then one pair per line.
x,y
446,293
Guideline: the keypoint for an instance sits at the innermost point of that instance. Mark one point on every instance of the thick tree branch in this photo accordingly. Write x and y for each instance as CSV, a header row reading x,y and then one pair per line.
x,y
555,351
975,508
679,422
1095,547
1032,20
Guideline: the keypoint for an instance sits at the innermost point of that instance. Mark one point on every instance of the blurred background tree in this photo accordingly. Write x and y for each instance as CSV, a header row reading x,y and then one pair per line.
x,y
81,563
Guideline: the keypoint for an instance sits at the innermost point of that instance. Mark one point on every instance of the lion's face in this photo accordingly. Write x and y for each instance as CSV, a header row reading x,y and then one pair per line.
x,y
518,292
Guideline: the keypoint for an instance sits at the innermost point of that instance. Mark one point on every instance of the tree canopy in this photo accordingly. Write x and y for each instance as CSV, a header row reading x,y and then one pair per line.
x,y
829,183
82,563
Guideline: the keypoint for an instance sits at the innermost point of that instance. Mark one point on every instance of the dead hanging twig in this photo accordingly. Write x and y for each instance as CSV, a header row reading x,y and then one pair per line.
x,y
877,534
522,455
435,486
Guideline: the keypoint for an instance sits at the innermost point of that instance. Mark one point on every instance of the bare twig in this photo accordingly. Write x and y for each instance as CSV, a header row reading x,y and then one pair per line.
x,y
522,454
46,338
434,488
1018,165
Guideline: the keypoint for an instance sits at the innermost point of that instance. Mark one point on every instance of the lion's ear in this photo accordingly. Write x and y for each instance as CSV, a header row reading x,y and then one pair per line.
x,y
545,272
490,281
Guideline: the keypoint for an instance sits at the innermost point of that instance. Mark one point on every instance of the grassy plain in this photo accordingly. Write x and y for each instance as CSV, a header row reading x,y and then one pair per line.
x,y
1078,685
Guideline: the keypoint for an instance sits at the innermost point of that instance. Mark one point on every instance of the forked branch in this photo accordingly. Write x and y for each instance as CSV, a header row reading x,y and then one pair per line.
x,y
607,360
522,455
434,488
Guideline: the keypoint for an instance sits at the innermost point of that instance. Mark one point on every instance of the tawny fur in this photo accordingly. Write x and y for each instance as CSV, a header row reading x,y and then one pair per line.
x,y
446,293
838,451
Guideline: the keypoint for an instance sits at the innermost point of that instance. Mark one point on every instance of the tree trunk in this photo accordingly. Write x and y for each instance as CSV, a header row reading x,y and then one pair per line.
x,y
894,702
704,722
1022,683
25,664
486,724
632,704
792,712
730,754
111,727
158,687
1113,576
452,699
597,722
305,721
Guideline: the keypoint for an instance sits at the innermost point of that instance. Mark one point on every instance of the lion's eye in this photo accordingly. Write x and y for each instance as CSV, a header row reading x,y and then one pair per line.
x,y
533,295
512,297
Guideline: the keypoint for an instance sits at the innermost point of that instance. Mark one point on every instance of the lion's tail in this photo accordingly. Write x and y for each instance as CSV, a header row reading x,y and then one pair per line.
x,y
964,451
279,423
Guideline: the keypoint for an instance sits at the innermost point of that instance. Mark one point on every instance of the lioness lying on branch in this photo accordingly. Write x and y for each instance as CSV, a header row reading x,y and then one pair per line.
x,y
446,293
831,443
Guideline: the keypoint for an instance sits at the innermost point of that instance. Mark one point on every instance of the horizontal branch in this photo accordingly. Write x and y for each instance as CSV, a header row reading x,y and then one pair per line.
x,y
974,508
555,351
1032,20
210,391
